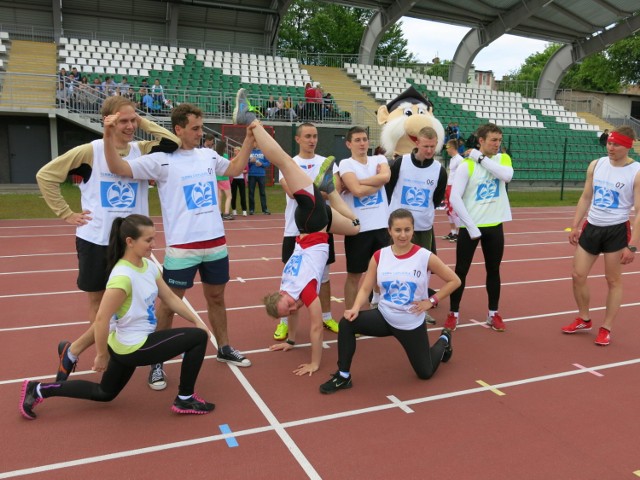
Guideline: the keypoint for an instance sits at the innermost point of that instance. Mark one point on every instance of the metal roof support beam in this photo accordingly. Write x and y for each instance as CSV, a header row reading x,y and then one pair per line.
x,y
564,58
56,14
173,14
272,23
478,38
378,25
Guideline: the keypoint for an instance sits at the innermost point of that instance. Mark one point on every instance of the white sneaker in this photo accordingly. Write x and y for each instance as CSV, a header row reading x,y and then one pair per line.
x,y
234,213
244,213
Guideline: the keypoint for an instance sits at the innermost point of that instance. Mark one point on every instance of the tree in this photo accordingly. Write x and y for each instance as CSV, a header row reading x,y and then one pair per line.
x,y
624,56
314,27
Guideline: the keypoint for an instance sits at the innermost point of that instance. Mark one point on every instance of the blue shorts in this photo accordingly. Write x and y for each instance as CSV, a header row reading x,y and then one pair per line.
x,y
181,265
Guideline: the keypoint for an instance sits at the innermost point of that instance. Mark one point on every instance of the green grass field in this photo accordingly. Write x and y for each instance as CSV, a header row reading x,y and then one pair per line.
x,y
31,205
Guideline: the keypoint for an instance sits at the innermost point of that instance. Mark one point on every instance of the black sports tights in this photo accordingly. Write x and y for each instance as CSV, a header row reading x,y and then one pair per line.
x,y
160,346
492,242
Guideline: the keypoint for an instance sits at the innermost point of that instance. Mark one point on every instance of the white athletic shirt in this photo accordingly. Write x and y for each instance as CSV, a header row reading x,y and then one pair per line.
x,y
137,318
307,263
371,210
485,196
414,192
612,193
108,196
403,280
311,167
188,189
454,163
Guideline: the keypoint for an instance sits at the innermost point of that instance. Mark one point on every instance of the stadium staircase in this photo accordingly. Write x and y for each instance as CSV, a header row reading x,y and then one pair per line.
x,y
26,84
345,92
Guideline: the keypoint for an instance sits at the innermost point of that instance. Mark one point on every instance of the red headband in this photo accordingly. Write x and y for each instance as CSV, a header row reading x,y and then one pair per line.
x,y
622,140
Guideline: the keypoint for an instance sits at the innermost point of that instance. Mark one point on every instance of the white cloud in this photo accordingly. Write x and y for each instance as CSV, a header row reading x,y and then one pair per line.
x,y
428,40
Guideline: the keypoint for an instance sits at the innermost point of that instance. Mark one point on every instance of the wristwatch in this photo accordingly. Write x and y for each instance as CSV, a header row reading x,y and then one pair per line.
x,y
633,248
480,159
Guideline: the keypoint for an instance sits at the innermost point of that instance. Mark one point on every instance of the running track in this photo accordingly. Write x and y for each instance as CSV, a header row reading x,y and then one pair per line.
x,y
529,403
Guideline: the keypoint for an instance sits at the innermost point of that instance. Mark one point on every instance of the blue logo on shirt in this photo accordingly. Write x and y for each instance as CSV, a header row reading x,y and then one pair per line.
x,y
198,195
415,196
368,201
118,194
605,198
399,293
151,314
292,268
488,190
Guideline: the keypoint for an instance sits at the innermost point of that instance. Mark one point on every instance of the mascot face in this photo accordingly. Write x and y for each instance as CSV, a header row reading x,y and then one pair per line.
x,y
403,118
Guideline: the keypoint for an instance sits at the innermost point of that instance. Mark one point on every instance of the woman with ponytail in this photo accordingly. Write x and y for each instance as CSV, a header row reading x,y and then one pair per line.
x,y
129,304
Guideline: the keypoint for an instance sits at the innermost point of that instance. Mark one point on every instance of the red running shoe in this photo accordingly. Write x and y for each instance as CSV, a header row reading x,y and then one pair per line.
x,y
578,325
496,323
604,337
451,322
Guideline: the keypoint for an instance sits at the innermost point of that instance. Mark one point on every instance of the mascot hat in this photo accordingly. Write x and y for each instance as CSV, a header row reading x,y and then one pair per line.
x,y
410,95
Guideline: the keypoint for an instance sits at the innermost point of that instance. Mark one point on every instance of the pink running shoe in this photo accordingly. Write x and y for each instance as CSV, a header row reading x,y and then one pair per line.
x,y
578,325
604,337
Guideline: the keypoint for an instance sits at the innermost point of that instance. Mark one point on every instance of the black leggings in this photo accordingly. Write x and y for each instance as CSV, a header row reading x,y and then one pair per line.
x,y
237,186
160,346
424,360
492,242
312,213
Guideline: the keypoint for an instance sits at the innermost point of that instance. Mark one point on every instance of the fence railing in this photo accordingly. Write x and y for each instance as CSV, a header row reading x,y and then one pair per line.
x,y
48,91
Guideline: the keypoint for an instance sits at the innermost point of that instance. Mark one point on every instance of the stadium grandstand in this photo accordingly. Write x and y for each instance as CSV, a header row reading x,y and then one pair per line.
x,y
203,51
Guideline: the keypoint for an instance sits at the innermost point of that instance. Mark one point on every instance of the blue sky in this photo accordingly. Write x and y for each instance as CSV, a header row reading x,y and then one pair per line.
x,y
430,39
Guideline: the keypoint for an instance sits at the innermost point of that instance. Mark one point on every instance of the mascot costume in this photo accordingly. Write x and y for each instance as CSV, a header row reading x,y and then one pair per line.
x,y
402,118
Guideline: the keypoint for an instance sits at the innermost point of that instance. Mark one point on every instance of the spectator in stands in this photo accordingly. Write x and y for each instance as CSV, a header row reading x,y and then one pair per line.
x,y
109,87
472,141
139,98
329,106
61,95
76,74
147,102
258,164
301,109
96,94
62,75
130,94
310,99
604,137
123,86
272,107
145,84
157,91
82,94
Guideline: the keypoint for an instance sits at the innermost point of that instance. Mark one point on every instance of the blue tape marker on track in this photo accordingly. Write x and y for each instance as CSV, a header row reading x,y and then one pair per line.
x,y
231,442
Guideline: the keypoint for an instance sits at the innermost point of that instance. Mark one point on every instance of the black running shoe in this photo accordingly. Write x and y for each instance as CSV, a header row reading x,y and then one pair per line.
x,y
157,378
336,383
230,355
65,366
448,351
194,405
29,399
